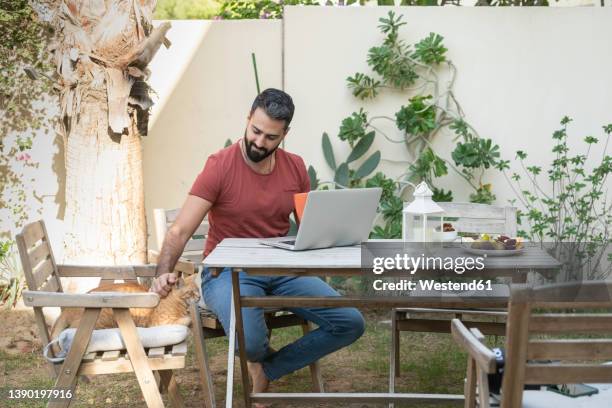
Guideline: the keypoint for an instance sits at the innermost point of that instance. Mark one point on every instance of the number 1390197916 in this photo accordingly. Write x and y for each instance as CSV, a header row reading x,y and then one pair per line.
x,y
39,394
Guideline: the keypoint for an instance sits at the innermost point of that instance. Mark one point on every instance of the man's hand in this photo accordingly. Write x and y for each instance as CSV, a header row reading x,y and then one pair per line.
x,y
163,284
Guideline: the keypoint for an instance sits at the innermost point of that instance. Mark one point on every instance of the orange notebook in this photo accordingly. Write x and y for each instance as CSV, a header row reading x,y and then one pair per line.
x,y
299,201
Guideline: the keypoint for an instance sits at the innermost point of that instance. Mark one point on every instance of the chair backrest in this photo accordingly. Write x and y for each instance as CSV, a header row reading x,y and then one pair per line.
x,y
481,218
163,220
577,359
39,267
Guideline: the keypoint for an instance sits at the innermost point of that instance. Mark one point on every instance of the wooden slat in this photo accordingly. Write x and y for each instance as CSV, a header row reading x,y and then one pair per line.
x,y
156,352
171,215
39,253
59,282
41,272
567,373
202,229
195,245
252,255
562,349
32,233
107,272
480,227
472,210
179,349
89,357
516,351
278,322
344,398
25,261
466,312
95,299
443,326
199,345
66,379
110,355
484,358
369,302
571,323
138,359
123,365
50,286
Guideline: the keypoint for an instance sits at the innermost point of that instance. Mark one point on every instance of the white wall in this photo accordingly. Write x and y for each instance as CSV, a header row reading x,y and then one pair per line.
x,y
519,71
43,184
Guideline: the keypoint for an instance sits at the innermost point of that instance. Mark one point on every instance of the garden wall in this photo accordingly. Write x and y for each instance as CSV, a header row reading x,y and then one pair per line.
x,y
519,71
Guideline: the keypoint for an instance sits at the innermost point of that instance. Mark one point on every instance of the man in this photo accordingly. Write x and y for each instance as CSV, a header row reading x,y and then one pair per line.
x,y
247,189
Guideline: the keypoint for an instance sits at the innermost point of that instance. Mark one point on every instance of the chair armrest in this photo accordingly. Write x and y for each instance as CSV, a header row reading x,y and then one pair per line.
x,y
183,265
482,355
106,272
94,299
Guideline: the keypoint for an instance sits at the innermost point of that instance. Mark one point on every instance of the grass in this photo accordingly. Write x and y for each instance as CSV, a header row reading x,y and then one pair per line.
x,y
430,363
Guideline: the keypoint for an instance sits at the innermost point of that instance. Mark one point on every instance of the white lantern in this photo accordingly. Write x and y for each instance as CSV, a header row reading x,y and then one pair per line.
x,y
416,227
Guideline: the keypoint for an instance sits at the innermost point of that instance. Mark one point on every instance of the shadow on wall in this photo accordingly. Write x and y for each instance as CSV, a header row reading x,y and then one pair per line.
x,y
59,169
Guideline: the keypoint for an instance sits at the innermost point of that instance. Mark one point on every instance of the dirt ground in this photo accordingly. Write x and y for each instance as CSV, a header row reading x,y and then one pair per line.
x,y
20,334
430,364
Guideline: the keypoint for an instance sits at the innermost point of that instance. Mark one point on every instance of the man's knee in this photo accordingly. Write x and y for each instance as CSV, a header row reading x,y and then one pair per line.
x,y
352,326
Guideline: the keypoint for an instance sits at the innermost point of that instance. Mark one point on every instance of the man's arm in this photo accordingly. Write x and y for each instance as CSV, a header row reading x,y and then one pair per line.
x,y
189,218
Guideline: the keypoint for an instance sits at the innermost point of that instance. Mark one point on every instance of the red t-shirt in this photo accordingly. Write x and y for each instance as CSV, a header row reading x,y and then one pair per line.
x,y
247,204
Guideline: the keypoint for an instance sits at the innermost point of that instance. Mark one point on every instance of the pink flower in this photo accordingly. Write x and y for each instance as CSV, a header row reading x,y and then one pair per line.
x,y
24,157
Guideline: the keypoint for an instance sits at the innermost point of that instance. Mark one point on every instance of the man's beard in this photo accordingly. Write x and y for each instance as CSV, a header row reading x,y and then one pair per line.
x,y
254,154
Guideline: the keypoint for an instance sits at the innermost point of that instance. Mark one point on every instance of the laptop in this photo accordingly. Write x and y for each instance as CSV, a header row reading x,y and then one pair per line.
x,y
333,218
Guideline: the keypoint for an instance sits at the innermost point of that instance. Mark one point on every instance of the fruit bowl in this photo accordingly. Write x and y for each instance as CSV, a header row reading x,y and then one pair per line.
x,y
445,234
499,246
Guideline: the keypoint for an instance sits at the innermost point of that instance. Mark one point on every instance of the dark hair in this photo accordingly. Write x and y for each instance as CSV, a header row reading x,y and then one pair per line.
x,y
276,103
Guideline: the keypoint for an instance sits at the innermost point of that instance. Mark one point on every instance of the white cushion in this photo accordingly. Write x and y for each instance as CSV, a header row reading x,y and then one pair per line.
x,y
547,399
110,339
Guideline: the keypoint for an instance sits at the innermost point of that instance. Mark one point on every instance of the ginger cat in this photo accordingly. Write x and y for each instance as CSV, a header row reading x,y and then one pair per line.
x,y
171,310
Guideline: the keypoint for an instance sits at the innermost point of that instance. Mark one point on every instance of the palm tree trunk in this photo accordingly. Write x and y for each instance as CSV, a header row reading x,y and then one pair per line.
x,y
102,52
105,219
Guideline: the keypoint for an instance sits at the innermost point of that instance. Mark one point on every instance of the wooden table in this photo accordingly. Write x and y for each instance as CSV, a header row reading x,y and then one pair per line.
x,y
246,254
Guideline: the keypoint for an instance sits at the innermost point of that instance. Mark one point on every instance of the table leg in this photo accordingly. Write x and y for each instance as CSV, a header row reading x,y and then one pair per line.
x,y
241,341
231,355
393,355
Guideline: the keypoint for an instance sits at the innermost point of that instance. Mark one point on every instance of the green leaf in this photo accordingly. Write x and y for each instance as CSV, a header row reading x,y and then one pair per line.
x,y
363,86
312,175
440,195
342,175
362,147
430,50
228,142
368,166
417,117
328,152
352,128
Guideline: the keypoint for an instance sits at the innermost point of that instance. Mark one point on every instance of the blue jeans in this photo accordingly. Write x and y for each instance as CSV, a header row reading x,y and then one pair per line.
x,y
338,327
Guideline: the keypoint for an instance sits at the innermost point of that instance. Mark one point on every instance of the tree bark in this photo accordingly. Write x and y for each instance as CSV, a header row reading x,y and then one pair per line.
x,y
102,52
105,218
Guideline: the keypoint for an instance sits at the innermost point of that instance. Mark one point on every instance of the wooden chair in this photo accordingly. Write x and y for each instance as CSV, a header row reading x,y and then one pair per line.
x,y
204,319
472,218
45,290
576,359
